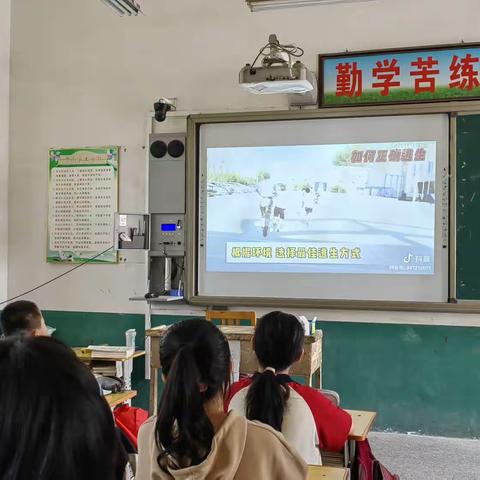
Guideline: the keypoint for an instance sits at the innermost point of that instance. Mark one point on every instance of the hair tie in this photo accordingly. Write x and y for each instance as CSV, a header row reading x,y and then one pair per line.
x,y
270,369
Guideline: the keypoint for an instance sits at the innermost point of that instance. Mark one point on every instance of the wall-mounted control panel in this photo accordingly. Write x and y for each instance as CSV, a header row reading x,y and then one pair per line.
x,y
167,234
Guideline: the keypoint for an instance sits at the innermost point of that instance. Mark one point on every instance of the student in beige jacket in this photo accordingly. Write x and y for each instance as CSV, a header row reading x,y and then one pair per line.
x,y
192,438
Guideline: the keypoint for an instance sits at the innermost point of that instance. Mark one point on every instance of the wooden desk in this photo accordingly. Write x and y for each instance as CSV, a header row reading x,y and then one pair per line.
x,y
327,473
115,399
309,367
362,424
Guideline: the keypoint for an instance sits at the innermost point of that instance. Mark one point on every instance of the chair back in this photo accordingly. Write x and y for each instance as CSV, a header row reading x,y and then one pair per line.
x,y
335,459
231,317
333,396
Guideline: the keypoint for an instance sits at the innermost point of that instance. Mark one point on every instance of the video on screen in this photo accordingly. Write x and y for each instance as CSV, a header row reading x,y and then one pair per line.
x,y
363,208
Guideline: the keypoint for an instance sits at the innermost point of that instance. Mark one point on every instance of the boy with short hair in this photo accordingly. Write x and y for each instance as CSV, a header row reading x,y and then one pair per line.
x,y
23,318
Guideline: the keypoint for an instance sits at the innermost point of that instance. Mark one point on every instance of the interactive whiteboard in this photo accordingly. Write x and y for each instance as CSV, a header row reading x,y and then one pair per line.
x,y
350,209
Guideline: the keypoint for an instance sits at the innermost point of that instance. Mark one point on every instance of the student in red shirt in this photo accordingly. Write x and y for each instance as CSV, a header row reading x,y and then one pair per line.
x,y
307,419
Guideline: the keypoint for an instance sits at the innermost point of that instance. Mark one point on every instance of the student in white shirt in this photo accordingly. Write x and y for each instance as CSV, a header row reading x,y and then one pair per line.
x,y
307,419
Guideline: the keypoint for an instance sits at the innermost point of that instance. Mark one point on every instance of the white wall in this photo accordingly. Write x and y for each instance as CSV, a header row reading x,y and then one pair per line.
x,y
4,141
83,76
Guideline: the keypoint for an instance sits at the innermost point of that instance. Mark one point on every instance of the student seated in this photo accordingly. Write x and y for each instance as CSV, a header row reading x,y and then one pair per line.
x,y
53,423
192,436
307,419
23,318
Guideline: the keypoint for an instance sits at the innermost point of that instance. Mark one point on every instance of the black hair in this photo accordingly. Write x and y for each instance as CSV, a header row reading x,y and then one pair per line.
x,y
195,359
278,344
53,422
20,317
307,189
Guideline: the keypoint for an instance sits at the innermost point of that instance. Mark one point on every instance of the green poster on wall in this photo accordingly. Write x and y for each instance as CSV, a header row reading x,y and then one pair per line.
x,y
83,198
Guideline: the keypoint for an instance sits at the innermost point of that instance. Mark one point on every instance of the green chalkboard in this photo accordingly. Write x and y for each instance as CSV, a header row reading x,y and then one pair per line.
x,y
468,207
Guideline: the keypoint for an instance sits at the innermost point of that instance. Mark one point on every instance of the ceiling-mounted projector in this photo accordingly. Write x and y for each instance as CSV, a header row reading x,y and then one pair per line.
x,y
279,73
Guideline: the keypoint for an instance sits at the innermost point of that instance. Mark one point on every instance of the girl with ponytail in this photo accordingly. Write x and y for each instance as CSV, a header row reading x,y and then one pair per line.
x,y
307,419
192,436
